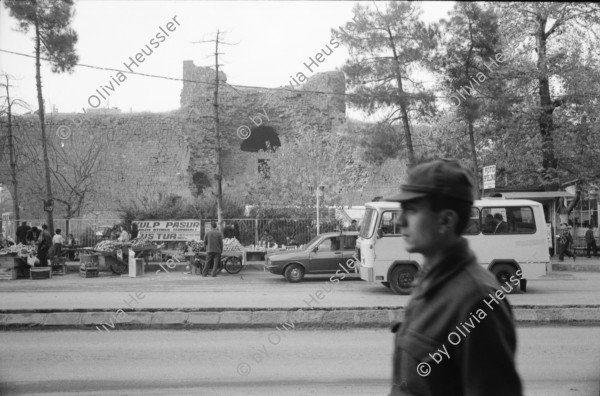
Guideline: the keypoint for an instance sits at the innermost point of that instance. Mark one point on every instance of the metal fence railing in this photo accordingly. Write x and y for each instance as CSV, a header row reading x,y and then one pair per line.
x,y
250,231
87,232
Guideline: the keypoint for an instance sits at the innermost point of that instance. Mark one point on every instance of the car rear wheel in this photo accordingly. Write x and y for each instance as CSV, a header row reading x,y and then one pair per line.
x,y
294,273
402,278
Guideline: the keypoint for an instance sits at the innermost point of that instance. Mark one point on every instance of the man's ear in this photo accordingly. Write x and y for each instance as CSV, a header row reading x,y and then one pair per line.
x,y
448,220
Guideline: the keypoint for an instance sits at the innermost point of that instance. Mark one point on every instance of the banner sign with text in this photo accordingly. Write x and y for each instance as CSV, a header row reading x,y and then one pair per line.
x,y
176,230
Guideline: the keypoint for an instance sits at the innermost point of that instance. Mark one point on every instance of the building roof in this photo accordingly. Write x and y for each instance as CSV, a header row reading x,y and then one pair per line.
x,y
537,195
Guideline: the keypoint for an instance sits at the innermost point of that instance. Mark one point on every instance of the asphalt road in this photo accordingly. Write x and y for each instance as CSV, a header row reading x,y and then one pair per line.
x,y
255,289
553,361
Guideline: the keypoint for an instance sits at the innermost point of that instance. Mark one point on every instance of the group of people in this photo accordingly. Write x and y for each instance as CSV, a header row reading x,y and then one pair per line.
x,y
495,224
47,246
565,243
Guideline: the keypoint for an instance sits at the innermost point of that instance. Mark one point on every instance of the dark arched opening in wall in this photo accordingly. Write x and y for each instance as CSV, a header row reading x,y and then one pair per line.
x,y
261,138
201,181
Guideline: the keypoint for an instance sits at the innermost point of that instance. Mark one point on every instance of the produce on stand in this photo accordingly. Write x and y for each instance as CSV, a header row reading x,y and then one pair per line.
x,y
106,246
232,245
19,250
195,247
142,242
113,251
9,266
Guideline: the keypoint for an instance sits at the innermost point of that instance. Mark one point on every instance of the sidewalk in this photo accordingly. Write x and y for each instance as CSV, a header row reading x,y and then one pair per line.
x,y
581,264
254,298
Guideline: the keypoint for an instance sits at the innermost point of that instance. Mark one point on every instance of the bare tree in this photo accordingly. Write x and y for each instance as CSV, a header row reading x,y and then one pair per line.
x,y
11,147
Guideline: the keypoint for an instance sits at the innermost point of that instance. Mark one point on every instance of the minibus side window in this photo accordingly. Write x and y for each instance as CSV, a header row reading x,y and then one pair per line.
x,y
474,224
390,223
508,220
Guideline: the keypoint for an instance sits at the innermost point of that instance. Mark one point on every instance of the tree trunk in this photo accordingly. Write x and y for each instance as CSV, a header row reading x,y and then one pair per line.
x,y
38,78
11,153
545,121
402,103
563,212
474,154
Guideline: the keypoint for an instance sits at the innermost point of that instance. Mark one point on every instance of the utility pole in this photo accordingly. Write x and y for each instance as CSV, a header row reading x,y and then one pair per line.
x,y
219,171
219,175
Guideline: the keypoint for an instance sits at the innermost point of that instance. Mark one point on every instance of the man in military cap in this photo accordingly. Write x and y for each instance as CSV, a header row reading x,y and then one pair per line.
x,y
458,335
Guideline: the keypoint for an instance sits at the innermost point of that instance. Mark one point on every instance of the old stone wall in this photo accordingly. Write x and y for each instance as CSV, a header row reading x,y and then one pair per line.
x,y
142,155
245,111
112,158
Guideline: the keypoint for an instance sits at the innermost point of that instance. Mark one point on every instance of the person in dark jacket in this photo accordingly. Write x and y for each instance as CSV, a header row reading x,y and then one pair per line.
x,y
44,244
213,240
21,233
564,243
501,226
590,241
33,235
458,335
134,230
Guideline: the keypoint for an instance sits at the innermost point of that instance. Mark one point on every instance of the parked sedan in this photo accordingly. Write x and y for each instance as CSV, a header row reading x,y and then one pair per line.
x,y
324,254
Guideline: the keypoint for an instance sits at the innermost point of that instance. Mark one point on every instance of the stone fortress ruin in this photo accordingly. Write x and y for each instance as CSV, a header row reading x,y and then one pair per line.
x,y
144,154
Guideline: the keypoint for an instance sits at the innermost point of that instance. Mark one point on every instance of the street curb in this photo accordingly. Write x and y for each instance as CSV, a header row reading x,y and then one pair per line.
x,y
573,267
106,320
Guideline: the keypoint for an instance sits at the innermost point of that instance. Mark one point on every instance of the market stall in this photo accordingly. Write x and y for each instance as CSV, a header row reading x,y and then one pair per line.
x,y
113,256
232,257
14,261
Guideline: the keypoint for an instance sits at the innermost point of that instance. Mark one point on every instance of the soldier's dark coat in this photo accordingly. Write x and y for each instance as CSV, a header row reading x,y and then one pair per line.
x,y
457,296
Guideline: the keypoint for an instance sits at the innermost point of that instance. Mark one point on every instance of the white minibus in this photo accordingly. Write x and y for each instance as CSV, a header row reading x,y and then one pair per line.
x,y
507,236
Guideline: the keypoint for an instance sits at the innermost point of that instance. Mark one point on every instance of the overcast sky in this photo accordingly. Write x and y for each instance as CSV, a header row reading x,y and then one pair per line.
x,y
273,39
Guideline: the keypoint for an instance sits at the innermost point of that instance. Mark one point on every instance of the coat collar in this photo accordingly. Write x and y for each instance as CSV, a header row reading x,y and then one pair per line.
x,y
457,258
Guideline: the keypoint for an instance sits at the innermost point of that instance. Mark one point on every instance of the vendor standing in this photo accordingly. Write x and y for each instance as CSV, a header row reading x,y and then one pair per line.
x,y
71,245
124,236
44,243
58,242
32,236
22,231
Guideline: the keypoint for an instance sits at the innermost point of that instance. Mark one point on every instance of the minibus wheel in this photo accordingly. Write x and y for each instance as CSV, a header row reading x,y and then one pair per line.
x,y
503,273
402,278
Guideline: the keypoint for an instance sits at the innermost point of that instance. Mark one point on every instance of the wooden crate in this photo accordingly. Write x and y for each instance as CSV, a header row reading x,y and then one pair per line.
x,y
40,273
88,272
8,273
7,261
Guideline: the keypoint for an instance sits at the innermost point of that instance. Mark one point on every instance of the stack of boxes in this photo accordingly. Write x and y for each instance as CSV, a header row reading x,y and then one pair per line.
x,y
7,267
89,266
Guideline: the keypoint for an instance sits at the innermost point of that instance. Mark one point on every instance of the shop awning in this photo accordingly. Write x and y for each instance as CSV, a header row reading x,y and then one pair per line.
x,y
537,195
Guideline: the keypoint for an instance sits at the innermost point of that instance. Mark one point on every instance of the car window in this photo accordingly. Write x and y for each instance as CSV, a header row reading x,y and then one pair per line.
x,y
349,242
330,244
